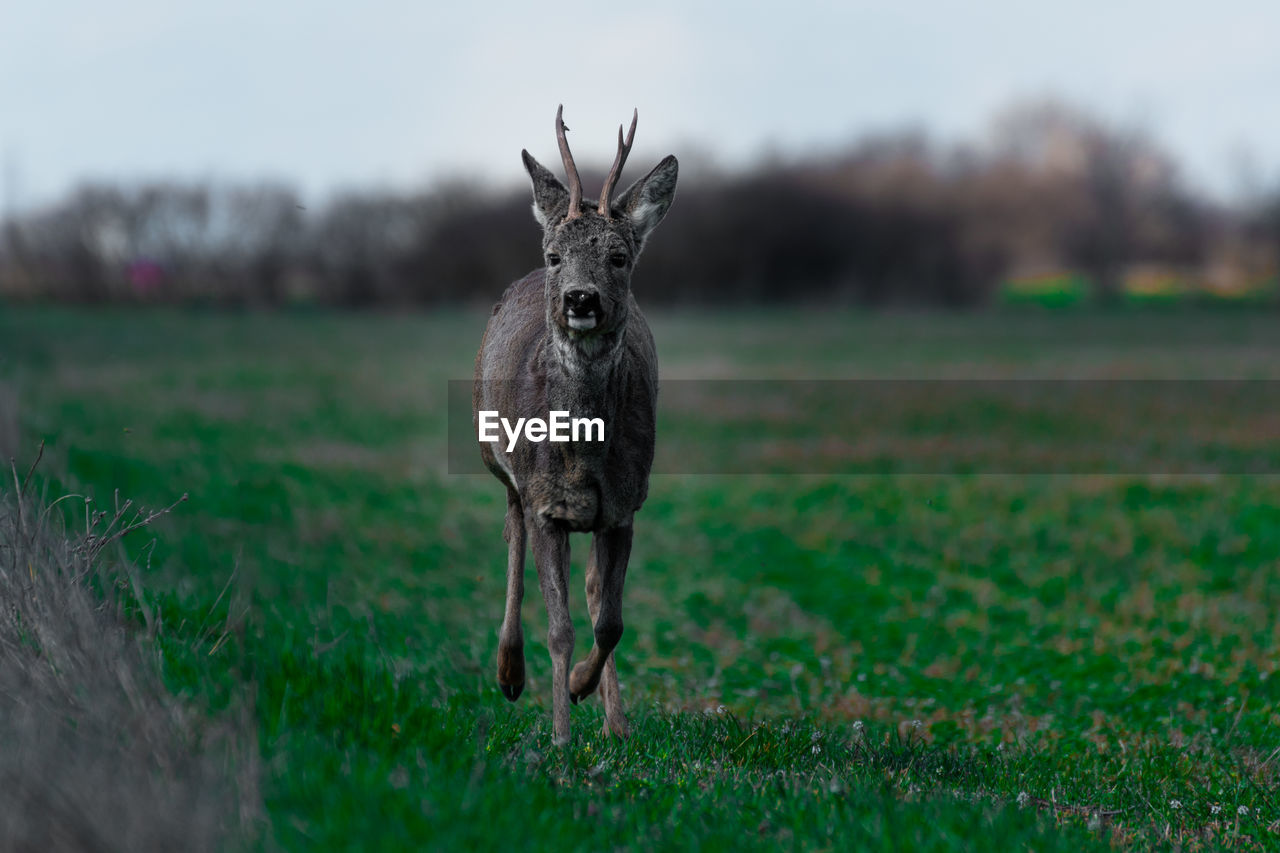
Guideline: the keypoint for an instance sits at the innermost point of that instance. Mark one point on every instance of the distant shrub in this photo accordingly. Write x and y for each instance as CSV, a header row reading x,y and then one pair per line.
x,y
1053,289
890,219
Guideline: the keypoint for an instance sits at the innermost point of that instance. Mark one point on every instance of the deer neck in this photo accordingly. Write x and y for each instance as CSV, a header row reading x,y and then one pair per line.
x,y
581,370
580,358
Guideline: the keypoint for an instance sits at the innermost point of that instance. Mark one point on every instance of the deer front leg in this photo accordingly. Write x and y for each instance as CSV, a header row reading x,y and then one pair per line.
x,y
511,635
551,557
606,574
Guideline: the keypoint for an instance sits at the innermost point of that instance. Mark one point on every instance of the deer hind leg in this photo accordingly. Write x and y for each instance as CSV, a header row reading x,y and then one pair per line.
x,y
511,635
551,557
606,574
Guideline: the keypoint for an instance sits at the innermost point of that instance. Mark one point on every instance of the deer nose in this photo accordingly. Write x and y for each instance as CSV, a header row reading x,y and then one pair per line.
x,y
582,302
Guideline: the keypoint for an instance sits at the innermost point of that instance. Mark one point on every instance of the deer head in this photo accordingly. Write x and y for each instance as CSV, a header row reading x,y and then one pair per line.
x,y
590,250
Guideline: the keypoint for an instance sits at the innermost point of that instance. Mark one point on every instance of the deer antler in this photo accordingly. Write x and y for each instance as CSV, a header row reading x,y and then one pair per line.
x,y
624,148
570,169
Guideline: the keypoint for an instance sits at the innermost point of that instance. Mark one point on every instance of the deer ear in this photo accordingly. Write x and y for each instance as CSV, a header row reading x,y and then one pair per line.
x,y
646,201
549,194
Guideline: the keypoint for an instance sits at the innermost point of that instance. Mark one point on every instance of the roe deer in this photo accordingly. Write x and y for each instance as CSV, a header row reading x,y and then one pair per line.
x,y
570,338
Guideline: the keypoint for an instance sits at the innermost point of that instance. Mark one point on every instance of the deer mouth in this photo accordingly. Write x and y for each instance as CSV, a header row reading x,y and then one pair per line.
x,y
582,310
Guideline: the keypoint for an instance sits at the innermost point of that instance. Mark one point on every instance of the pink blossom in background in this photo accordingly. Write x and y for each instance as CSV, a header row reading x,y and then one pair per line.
x,y
146,276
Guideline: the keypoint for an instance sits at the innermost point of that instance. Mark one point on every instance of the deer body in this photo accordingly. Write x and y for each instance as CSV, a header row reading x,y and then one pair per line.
x,y
583,486
570,337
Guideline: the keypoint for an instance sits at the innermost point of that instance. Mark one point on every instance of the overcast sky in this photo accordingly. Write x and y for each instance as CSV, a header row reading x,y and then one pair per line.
x,y
394,94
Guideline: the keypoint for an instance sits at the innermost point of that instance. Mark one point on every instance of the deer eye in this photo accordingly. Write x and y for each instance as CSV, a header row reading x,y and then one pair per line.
x,y
553,259
618,259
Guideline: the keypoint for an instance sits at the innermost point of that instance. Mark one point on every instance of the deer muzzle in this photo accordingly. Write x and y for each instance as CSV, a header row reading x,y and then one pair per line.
x,y
582,309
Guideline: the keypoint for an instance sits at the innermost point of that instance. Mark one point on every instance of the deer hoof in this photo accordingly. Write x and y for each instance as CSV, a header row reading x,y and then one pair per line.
x,y
581,684
511,671
616,728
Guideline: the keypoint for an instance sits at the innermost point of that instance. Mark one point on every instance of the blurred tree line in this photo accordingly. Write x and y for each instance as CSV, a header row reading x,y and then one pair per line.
x,y
892,219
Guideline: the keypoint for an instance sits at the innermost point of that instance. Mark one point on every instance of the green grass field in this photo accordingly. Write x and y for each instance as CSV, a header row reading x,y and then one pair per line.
x,y
911,662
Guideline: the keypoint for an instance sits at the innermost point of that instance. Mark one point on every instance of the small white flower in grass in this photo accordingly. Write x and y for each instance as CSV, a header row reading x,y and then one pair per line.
x,y
858,726
816,749
1215,809
1242,811
1175,804
1023,799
